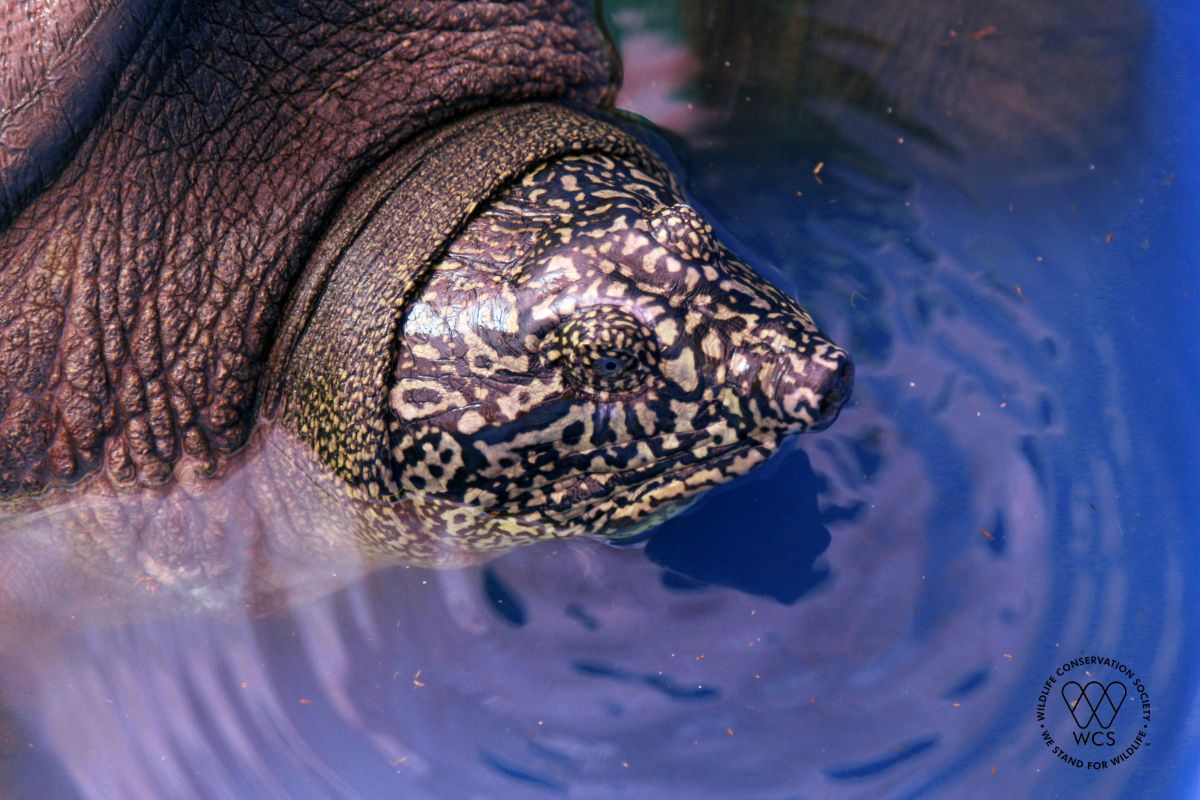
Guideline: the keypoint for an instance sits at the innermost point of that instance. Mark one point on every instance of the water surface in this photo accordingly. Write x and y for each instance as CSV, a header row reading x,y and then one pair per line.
x,y
994,215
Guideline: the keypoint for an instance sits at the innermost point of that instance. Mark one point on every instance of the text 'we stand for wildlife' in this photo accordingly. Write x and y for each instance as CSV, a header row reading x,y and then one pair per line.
x,y
1093,712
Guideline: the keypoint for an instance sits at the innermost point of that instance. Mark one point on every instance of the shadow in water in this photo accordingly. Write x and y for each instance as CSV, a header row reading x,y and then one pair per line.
x,y
760,537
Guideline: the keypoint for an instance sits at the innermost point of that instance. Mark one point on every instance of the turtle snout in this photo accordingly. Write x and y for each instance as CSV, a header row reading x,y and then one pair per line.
x,y
837,384
810,392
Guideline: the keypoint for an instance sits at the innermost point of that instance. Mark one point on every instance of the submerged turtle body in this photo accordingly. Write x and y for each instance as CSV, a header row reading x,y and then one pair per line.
x,y
438,322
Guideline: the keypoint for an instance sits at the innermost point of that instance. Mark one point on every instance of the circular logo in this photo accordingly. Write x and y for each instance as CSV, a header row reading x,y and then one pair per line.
x,y
1093,712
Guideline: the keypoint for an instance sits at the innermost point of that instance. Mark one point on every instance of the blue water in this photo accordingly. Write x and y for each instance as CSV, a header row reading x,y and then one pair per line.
x,y
873,615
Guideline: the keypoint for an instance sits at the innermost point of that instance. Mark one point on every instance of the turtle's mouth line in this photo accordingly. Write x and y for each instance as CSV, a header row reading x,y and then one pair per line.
x,y
581,463
587,487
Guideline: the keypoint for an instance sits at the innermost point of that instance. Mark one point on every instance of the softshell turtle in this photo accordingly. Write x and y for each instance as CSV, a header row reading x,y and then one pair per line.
x,y
383,277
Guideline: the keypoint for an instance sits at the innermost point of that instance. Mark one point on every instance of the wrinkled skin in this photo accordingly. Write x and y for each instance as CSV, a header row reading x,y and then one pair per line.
x,y
578,356
147,249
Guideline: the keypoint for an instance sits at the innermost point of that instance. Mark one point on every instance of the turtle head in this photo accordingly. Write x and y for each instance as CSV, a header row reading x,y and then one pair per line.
x,y
517,329
585,355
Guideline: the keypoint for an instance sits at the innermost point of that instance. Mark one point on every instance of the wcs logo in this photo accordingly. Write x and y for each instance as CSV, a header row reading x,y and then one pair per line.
x,y
1094,703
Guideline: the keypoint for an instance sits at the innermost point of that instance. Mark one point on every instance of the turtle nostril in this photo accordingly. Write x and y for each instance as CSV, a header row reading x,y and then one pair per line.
x,y
834,391
808,393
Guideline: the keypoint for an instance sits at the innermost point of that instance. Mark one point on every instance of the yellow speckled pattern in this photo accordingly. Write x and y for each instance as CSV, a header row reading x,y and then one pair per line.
x,y
518,329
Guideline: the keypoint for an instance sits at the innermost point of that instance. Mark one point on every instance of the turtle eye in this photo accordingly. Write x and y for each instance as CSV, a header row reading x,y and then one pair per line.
x,y
611,366
603,349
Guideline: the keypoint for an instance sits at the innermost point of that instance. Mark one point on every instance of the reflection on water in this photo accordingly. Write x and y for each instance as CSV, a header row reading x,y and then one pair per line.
x,y
1033,90
276,528
872,616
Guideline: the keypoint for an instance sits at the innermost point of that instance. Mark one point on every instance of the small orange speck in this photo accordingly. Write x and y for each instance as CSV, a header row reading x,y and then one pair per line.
x,y
988,534
147,582
994,770
245,685
957,705
418,683
398,760
817,169
729,730
304,701
981,34
1009,656
812,701
1108,237
700,657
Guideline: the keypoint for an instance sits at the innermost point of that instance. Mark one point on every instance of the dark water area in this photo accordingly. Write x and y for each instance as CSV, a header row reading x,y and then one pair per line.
x,y
1010,256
